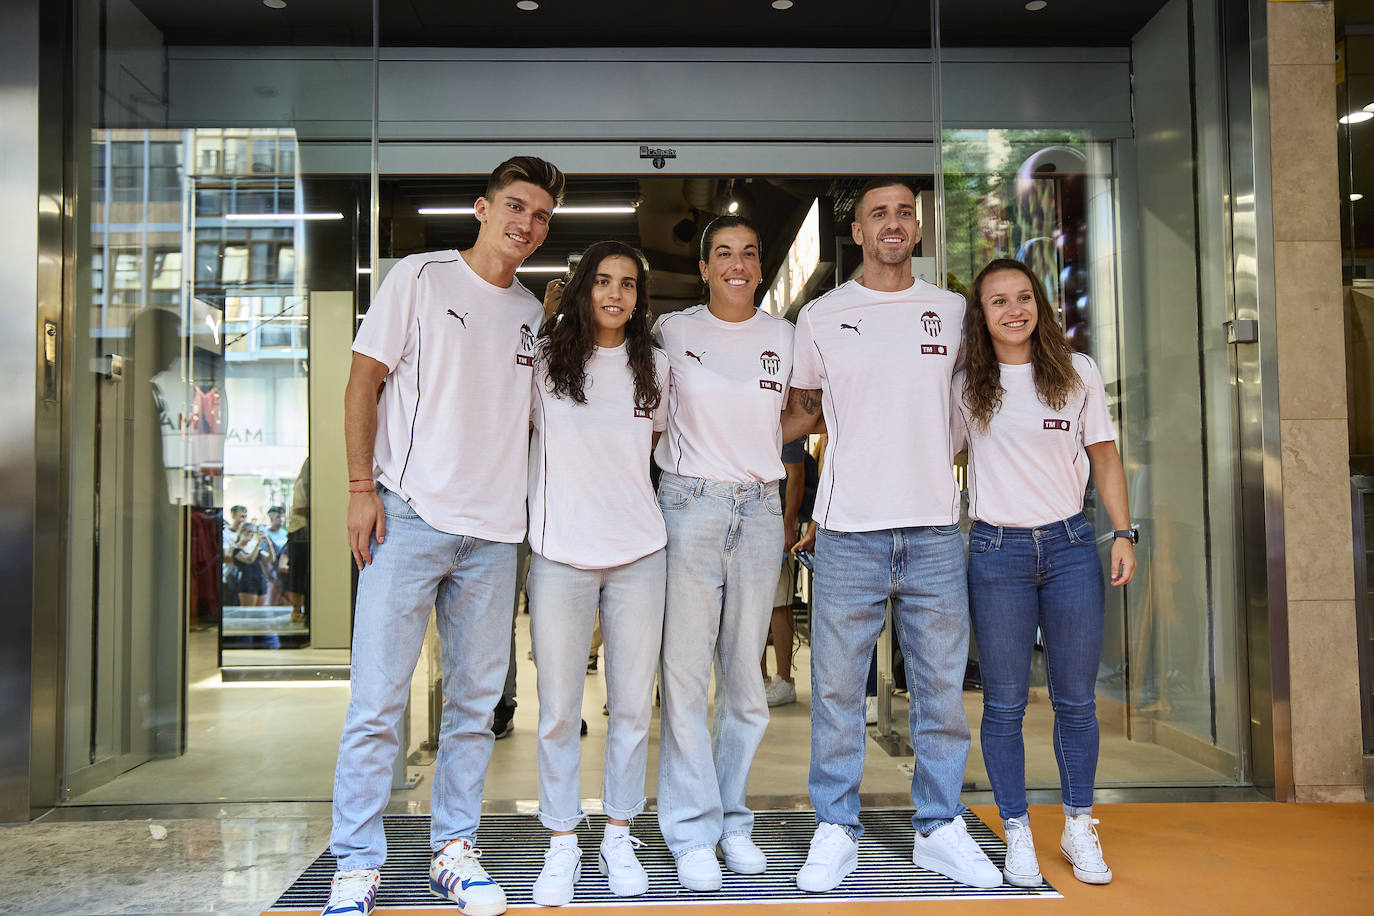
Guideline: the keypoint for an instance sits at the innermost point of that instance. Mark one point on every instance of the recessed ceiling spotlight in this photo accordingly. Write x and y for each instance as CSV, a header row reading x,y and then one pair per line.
x,y
526,5
782,4
1036,6
1355,117
274,4
1356,195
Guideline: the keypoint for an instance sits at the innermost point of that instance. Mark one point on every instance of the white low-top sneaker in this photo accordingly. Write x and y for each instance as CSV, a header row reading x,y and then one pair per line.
x,y
1080,845
1021,869
832,856
562,870
617,862
455,874
780,692
353,893
697,870
951,852
870,710
741,855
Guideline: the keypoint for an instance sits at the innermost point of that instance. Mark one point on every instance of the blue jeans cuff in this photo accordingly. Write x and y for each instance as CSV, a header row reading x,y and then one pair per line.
x,y
1077,810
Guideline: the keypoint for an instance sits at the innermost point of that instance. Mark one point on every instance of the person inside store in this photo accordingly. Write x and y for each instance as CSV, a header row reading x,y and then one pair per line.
x,y
1036,418
781,689
253,558
433,524
721,463
878,352
597,541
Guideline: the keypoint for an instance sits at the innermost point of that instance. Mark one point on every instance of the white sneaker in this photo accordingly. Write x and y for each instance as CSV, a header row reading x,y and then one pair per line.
x,y
951,852
741,855
697,871
455,874
1021,869
870,710
562,869
617,862
832,856
353,892
780,692
1080,845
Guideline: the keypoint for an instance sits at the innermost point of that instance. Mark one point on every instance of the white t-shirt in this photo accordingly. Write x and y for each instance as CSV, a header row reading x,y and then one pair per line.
x,y
1029,467
725,404
591,503
883,362
453,419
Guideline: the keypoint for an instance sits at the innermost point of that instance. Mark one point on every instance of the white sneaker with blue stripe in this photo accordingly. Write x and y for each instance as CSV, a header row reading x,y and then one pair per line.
x,y
455,874
353,893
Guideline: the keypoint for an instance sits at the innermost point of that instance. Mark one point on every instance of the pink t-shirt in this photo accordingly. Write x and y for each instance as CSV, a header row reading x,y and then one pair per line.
x,y
1030,466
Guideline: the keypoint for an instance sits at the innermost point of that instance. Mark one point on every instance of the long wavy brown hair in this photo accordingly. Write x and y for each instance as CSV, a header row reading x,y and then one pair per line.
x,y
1051,355
568,338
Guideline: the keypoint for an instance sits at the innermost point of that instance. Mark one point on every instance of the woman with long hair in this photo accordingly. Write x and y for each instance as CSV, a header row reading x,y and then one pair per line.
x,y
1035,416
597,541
721,461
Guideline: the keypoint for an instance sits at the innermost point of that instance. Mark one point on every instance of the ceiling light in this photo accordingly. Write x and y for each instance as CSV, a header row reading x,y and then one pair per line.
x,y
364,270
733,207
782,4
542,269
526,5
1369,107
573,210
263,217
274,4
1356,195
1355,117
1036,6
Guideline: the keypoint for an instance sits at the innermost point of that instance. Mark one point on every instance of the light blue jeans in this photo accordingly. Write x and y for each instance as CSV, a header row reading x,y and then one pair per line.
x,y
469,583
724,545
922,571
563,608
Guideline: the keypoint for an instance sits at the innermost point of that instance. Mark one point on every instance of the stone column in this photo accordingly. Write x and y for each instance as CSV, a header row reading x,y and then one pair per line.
x,y
1324,686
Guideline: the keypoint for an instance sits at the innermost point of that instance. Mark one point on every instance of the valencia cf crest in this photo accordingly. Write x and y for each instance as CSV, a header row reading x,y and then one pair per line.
x,y
931,322
771,362
526,338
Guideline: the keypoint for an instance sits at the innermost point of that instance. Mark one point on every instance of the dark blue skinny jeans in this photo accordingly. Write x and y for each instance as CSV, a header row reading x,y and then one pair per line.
x,y
1021,579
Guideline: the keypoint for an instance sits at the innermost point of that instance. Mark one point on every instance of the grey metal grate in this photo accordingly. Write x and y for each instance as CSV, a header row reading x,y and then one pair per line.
x,y
513,852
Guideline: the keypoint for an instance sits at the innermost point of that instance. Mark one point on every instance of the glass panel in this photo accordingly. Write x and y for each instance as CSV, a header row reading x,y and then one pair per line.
x,y
191,442
1094,175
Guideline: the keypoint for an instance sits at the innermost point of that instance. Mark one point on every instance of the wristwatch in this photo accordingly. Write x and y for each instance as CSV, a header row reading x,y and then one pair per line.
x,y
1131,534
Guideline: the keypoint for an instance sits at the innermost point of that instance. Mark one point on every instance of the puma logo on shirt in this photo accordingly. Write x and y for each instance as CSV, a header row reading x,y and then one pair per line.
x,y
462,319
852,327
694,356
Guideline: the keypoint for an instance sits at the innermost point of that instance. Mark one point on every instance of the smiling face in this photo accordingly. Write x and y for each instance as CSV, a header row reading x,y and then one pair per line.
x,y
614,289
515,221
885,225
1010,312
732,271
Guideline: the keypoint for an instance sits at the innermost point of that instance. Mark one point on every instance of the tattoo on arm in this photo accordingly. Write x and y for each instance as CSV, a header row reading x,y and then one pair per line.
x,y
809,401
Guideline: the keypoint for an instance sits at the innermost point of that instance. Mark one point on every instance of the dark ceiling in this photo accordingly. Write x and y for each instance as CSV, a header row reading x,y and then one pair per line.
x,y
634,23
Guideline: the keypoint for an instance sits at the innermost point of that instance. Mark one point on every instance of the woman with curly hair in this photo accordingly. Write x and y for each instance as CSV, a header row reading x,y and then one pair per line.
x,y
1035,416
597,540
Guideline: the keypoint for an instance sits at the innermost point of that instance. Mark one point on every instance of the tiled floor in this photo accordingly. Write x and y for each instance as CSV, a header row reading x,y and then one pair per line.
x,y
1242,858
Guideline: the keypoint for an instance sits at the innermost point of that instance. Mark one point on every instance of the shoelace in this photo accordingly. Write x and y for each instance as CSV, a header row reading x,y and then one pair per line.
x,y
615,849
1087,848
1019,841
830,842
464,861
962,843
351,885
559,860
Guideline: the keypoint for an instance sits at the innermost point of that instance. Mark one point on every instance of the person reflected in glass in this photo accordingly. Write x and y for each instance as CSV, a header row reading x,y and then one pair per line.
x,y
721,461
597,541
1034,414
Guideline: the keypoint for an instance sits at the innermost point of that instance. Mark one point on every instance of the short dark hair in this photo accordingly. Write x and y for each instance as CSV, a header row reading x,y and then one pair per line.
x,y
536,171
277,509
728,221
873,184
233,509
